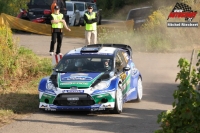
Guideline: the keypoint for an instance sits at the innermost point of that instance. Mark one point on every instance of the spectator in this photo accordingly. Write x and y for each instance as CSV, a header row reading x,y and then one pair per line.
x,y
90,19
63,9
57,22
53,5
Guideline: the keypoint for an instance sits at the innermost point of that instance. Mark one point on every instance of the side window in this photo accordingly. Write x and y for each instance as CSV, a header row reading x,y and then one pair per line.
x,y
118,63
125,57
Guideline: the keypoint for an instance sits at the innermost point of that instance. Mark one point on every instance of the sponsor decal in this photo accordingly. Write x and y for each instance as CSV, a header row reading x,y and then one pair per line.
x,y
48,109
73,91
130,91
74,83
77,78
44,106
182,10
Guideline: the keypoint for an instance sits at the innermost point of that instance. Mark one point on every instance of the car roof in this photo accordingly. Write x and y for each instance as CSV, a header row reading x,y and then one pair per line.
x,y
69,1
102,50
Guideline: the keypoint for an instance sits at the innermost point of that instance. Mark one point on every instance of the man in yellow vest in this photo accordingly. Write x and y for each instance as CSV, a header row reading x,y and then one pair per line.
x,y
90,19
57,23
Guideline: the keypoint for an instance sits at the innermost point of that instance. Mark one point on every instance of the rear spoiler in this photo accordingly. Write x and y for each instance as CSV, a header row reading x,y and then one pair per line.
x,y
122,46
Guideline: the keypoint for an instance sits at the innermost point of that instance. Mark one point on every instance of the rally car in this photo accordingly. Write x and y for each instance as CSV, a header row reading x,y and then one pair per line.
x,y
92,78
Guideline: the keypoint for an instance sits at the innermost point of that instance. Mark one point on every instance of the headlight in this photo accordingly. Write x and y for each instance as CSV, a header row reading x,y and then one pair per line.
x,y
102,85
50,86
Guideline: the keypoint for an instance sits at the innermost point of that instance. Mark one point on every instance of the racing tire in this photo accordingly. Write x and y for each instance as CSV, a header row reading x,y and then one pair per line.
x,y
139,90
118,102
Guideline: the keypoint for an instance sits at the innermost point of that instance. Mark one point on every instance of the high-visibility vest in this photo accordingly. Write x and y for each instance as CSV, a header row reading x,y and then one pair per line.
x,y
92,26
57,17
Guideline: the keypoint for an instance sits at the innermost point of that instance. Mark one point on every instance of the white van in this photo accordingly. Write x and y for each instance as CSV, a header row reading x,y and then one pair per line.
x,y
74,13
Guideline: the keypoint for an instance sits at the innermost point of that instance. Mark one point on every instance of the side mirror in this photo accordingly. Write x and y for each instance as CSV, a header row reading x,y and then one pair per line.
x,y
126,68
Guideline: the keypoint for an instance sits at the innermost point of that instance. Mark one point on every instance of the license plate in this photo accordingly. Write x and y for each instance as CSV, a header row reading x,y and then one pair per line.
x,y
73,98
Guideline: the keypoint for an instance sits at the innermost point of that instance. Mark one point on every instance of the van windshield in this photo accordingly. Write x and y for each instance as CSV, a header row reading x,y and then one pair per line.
x,y
80,6
69,6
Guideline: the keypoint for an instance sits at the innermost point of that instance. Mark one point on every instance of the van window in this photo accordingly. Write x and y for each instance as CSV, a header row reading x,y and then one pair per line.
x,y
69,6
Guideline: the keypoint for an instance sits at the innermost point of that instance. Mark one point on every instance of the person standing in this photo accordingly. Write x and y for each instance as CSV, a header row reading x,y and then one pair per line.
x,y
63,9
57,22
90,19
53,5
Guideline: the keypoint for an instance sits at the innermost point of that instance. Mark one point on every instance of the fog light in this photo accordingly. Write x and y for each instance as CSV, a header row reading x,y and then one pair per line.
x,y
104,100
46,100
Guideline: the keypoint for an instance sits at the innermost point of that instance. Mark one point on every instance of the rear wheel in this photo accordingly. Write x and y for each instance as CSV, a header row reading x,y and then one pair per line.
x,y
139,90
118,102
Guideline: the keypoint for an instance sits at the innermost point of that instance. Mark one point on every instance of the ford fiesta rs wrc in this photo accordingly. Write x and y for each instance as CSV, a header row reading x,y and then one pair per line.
x,y
92,78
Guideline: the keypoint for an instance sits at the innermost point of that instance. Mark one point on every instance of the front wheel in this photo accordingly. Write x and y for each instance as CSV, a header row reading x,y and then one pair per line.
x,y
118,101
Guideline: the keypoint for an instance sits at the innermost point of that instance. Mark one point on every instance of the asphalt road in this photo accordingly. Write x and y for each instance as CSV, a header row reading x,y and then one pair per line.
x,y
158,71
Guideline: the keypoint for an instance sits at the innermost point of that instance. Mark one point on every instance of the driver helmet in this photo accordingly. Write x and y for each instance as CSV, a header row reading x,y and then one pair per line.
x,y
106,60
78,63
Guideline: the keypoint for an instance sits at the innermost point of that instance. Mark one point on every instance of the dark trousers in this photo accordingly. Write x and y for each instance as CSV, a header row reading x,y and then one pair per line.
x,y
54,36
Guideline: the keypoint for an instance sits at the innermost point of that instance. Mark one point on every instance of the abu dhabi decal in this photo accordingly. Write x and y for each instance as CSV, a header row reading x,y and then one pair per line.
x,y
78,76
83,80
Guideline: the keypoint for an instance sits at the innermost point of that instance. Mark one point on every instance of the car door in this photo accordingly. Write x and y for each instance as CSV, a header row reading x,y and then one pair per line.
x,y
119,65
127,74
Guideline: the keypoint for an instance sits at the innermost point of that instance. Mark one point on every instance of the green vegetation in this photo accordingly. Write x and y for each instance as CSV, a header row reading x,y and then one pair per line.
x,y
184,117
12,7
20,70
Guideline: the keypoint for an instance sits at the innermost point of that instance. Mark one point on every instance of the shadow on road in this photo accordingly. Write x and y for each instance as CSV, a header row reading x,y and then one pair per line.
x,y
130,121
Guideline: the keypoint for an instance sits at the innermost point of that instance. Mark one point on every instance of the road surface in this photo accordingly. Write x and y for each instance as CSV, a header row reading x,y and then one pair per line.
x,y
158,71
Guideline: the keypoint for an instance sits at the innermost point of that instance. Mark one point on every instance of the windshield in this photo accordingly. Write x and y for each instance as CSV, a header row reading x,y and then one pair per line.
x,y
85,64
80,6
69,6
41,2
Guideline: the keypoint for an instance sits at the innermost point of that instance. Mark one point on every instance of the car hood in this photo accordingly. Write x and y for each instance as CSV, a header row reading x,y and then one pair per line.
x,y
77,80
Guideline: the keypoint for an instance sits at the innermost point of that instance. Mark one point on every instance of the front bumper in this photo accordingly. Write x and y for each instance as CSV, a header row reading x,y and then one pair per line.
x,y
76,101
95,107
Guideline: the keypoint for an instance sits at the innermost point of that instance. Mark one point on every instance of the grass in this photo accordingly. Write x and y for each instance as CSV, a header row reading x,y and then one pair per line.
x,y
20,72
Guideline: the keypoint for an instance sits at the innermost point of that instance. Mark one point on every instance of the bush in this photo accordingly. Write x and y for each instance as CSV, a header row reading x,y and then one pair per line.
x,y
184,117
18,63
